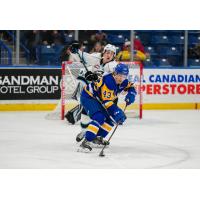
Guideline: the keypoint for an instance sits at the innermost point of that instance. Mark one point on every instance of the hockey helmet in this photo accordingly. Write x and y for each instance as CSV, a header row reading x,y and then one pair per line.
x,y
110,47
122,69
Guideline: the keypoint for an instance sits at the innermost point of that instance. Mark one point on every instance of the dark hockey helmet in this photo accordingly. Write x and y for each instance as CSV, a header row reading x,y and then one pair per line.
x,y
122,69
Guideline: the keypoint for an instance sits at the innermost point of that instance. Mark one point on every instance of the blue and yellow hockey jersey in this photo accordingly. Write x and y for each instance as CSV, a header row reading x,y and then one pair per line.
x,y
106,89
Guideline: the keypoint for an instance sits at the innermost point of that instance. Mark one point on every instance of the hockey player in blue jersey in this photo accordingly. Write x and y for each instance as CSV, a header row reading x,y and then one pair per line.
x,y
97,99
97,65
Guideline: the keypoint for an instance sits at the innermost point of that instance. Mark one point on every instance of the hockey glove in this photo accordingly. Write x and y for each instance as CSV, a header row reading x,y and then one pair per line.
x,y
74,47
130,97
89,76
117,114
99,73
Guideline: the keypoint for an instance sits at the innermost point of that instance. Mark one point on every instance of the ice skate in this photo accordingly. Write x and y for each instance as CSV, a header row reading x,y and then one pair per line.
x,y
99,142
85,147
80,136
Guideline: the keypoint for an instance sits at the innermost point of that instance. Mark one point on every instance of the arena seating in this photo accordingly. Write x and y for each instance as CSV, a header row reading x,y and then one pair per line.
x,y
176,40
165,47
162,62
116,39
45,55
151,51
57,49
194,62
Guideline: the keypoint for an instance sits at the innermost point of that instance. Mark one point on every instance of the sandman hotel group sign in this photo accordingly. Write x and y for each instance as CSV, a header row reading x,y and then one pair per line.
x,y
24,84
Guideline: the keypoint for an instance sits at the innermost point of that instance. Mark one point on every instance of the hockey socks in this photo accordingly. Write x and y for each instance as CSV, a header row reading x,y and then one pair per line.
x,y
94,130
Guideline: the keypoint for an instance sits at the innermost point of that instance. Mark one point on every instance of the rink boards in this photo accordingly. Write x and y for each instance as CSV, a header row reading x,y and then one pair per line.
x,y
51,106
164,88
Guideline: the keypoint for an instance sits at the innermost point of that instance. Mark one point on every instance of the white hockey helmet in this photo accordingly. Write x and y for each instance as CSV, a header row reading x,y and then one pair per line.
x,y
110,47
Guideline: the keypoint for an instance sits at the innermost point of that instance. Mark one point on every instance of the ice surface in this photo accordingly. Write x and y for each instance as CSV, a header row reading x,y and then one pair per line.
x,y
163,139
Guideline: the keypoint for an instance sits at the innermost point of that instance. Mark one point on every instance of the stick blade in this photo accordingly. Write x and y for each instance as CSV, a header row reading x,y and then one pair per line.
x,y
101,154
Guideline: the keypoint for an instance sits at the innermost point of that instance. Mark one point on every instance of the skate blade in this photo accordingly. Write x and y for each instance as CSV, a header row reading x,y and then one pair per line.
x,y
82,150
98,146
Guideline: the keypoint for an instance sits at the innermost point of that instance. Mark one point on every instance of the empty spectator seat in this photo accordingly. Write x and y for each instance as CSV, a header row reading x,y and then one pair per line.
x,y
157,39
177,40
68,38
58,49
151,51
45,55
162,62
192,40
148,63
194,62
169,51
116,39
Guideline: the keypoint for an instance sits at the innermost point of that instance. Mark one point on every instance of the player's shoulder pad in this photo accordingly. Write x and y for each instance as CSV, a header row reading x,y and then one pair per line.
x,y
109,81
109,67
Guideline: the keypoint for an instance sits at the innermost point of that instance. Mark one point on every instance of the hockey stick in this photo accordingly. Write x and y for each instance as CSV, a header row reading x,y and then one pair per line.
x,y
101,154
83,61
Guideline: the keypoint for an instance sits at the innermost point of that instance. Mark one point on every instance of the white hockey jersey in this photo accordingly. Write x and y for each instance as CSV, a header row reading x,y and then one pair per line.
x,y
92,61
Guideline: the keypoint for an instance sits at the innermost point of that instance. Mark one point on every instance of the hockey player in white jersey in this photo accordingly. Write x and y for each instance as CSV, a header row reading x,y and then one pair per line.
x,y
104,61
97,64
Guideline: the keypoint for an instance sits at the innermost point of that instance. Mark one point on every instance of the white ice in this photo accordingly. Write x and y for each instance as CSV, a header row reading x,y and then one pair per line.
x,y
162,139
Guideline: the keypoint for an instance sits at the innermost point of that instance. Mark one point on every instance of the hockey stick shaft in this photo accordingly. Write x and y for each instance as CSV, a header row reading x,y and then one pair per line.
x,y
111,134
83,61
